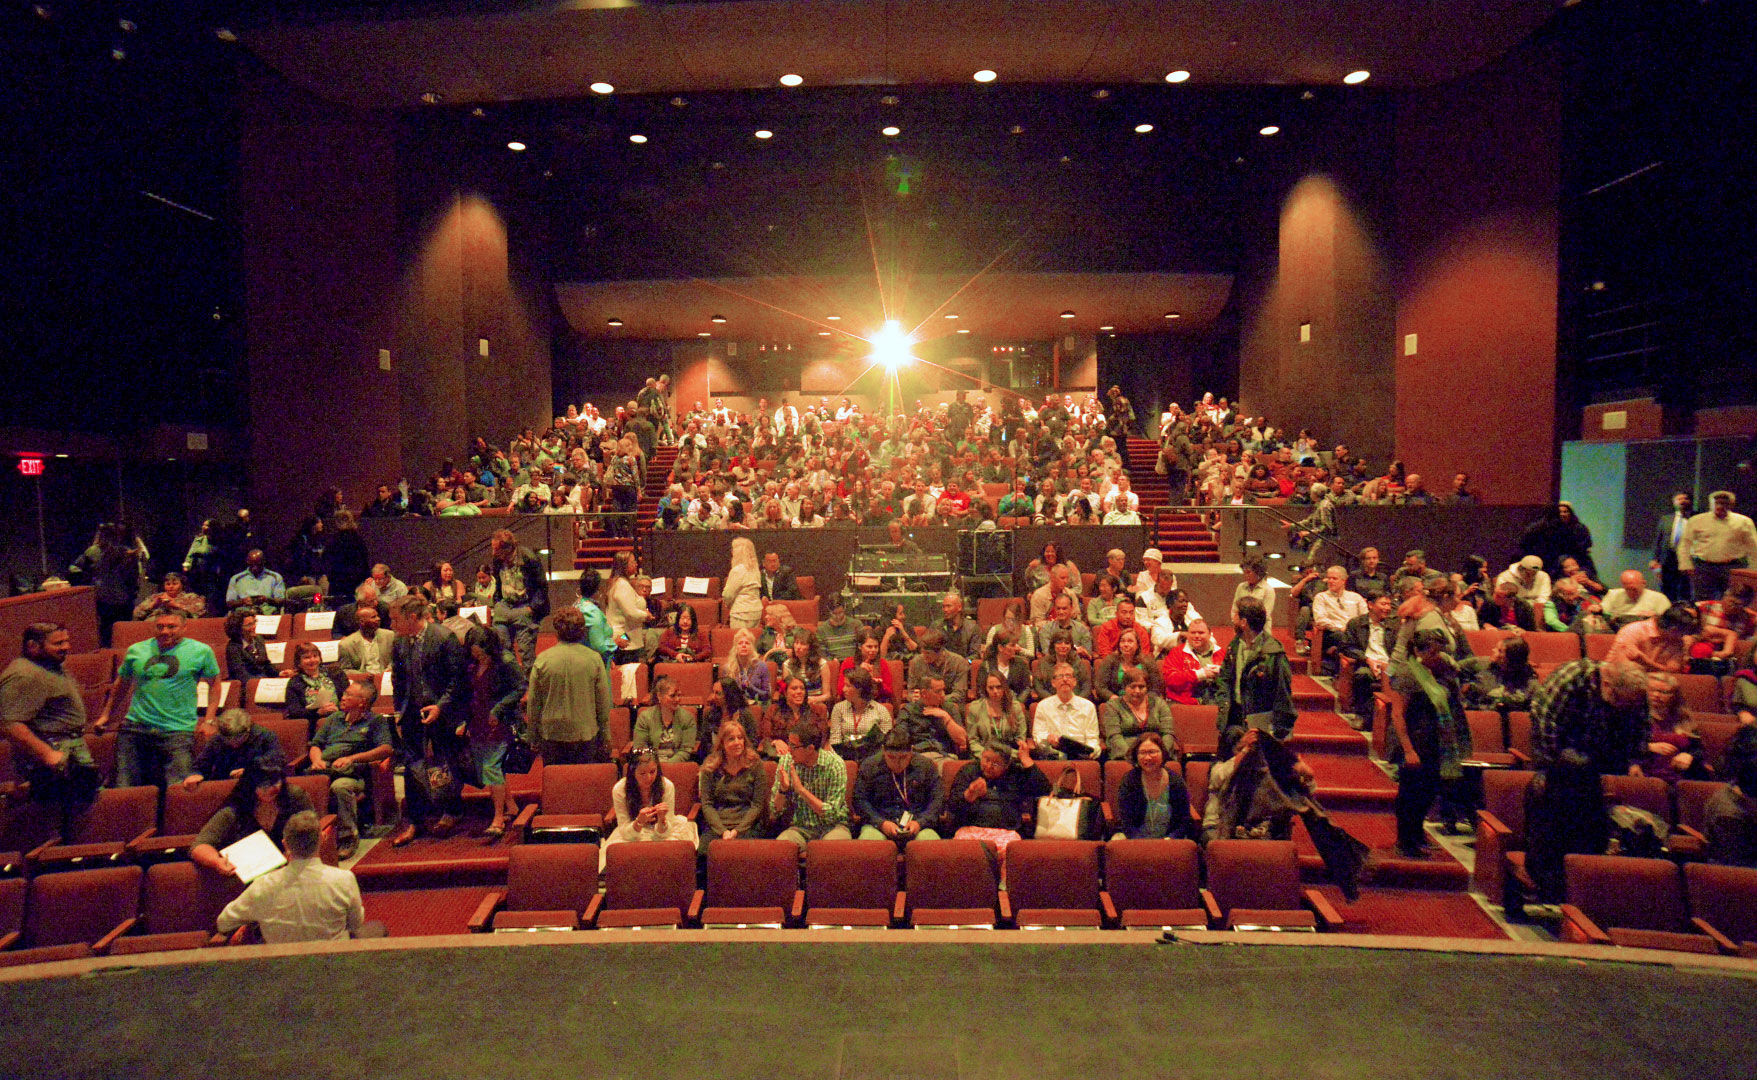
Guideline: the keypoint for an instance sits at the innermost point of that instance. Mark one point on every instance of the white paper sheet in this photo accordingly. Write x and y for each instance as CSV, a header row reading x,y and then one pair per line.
x,y
479,613
277,652
268,625
330,651
271,691
695,586
201,694
320,620
254,856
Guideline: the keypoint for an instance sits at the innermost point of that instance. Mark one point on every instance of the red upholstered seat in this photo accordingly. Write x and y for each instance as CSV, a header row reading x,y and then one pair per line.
x,y
1254,885
1723,903
1488,743
1500,829
683,776
1197,729
12,894
1687,838
1153,883
753,881
186,811
1648,793
851,883
75,914
179,906
694,681
950,883
1636,903
574,798
1701,693
1553,647
117,816
548,887
647,884
1052,883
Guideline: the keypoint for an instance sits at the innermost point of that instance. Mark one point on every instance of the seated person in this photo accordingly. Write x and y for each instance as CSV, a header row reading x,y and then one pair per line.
x,y
315,688
1059,648
1505,680
367,650
1107,679
345,746
857,723
1674,751
239,745
1006,660
1064,619
933,661
1730,820
1065,726
897,792
1658,644
667,726
1125,717
1506,610
303,900
809,799
246,651
794,706
995,719
646,806
1152,802
1634,601
176,595
929,720
994,798
262,801
1187,672
733,788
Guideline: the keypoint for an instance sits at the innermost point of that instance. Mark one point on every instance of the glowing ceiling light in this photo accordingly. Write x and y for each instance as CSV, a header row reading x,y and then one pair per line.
x,y
1142,129
638,140
716,318
1107,328
985,75
614,322
1355,78
603,88
765,133
1180,75
792,80
963,331
833,318
515,146
1270,130
1068,314
891,130
890,345
951,316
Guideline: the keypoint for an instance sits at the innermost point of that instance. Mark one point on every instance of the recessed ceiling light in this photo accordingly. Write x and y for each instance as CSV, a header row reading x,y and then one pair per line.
x,y
1107,328
225,34
765,133
703,333
1180,75
717,318
1174,315
984,75
638,140
478,112
1270,130
515,146
833,318
1067,314
889,99
1017,129
126,26
61,455
891,130
1355,78
678,102
614,322
603,88
792,80
951,316
1142,129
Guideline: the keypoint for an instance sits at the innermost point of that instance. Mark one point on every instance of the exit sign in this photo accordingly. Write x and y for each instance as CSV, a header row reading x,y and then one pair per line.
x,y
30,466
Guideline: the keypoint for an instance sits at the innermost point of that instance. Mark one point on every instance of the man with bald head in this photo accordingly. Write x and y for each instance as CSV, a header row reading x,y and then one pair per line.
x,y
1634,601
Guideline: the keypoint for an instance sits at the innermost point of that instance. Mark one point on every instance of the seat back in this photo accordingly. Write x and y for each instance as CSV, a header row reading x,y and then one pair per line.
x,y
1647,793
721,637
551,877
1553,647
1197,728
1700,693
1090,774
266,695
1635,894
1160,875
119,814
1717,738
620,691
316,786
1196,780
990,610
1114,771
180,897
1725,897
1598,646
294,735
1053,874
694,681
950,874
707,611
752,874
1483,642
807,586
1485,732
578,789
1519,735
683,775
1260,875
124,634
805,612
187,811
91,670
850,874
656,874
1503,795
12,893
1693,796
81,905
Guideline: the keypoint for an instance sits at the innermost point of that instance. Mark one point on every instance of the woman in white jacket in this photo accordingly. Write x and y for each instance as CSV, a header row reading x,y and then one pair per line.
x,y
743,592
646,806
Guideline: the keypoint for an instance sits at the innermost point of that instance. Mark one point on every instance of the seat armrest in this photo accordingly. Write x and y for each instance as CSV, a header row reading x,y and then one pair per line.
x,y
522,823
1521,757
241,936
1721,941
1328,917
1584,926
694,915
590,918
484,913
216,939
36,854
1694,834
694,812
1104,901
1212,906
900,908
1006,908
1491,823
102,945
8,940
796,916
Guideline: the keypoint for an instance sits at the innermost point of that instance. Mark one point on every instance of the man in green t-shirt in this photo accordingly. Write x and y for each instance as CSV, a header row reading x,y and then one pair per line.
x,y
158,680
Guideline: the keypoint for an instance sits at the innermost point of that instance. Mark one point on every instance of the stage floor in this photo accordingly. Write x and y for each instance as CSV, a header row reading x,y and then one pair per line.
x,y
921,1011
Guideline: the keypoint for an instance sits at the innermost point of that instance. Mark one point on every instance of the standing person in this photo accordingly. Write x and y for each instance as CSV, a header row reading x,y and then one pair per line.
x,y
43,715
430,682
1670,533
625,610
1715,543
521,594
157,679
1254,688
496,688
111,566
597,624
569,705
742,593
349,562
809,799
1432,737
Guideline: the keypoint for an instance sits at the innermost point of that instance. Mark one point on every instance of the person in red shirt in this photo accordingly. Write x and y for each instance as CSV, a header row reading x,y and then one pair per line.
x,y
1188,670
954,501
1105,637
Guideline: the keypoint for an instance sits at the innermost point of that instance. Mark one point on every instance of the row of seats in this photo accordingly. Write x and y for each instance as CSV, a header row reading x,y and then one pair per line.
x,y
1129,884
1656,904
113,911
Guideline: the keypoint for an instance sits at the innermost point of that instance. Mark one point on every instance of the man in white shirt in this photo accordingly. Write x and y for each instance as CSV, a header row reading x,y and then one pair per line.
x,y
1334,607
303,900
1634,601
1064,716
1148,579
1715,543
389,588
1528,576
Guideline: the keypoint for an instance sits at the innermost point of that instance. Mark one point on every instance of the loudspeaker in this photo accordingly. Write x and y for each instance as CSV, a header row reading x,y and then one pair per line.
x,y
987,552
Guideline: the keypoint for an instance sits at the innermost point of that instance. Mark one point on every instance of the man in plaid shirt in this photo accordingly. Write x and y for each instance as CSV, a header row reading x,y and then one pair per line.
x,y
810,795
1597,709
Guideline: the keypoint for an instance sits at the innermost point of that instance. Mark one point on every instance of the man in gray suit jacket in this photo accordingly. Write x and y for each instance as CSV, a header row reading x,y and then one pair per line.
x,y
367,651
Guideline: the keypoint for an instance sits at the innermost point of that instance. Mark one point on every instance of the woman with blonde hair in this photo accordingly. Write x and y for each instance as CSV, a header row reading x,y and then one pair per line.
x,y
749,669
732,787
743,592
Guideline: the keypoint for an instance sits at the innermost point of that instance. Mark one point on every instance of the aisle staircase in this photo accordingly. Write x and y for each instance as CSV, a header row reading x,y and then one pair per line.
x,y
596,546
1180,537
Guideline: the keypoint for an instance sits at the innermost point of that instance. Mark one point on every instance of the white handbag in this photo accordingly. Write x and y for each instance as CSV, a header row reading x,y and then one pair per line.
x,y
1060,816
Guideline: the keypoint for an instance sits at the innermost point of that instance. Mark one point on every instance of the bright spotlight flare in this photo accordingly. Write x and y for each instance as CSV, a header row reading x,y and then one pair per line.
x,y
891,345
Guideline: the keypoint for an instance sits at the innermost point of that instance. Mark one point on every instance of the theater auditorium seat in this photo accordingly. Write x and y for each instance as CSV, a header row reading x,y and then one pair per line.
x,y
75,915
851,883
695,682
1154,884
575,801
950,883
1700,693
647,884
1197,728
118,816
1687,839
1488,744
683,776
179,906
1254,885
12,894
1551,649
186,811
1052,884
1500,834
619,690
1723,905
1635,903
753,882
1090,773
548,887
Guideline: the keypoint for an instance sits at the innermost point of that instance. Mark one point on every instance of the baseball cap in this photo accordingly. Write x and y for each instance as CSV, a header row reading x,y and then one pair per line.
x,y
1152,553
